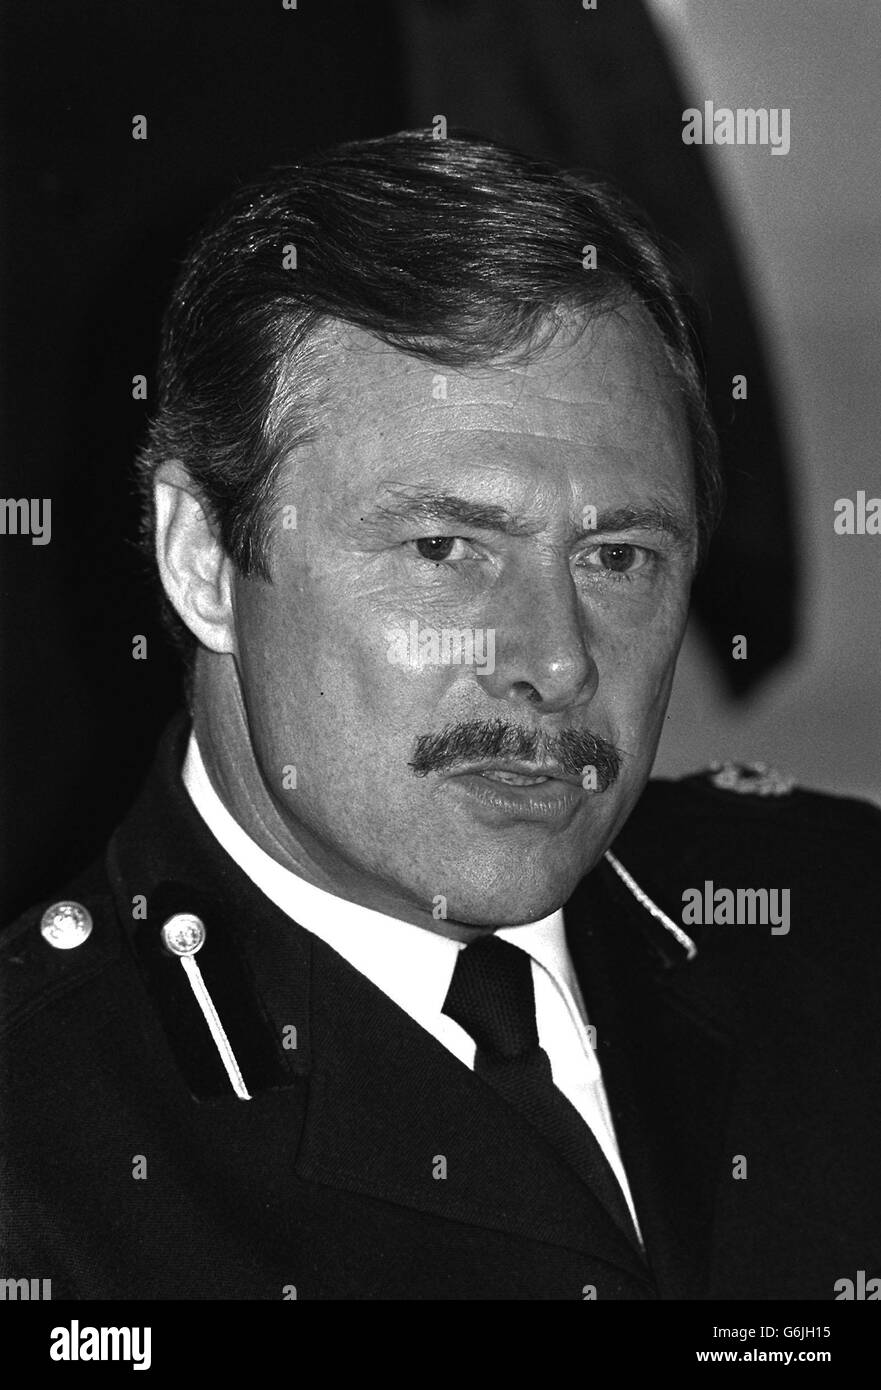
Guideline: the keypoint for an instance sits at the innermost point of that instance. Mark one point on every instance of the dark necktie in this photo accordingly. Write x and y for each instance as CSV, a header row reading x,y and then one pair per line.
x,y
492,998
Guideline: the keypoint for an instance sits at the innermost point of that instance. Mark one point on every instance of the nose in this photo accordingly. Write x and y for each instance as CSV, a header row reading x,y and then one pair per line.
x,y
542,647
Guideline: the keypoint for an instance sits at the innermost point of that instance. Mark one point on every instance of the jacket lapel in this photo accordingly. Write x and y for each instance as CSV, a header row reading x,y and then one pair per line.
x,y
667,1067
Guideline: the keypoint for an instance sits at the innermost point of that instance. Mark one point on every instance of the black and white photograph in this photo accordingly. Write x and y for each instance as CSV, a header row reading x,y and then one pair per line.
x,y
441,815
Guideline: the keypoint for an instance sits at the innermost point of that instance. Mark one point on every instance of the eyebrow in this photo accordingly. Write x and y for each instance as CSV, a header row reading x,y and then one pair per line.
x,y
421,505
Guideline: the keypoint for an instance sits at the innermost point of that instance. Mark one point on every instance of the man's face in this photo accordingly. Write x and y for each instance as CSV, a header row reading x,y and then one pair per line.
x,y
488,578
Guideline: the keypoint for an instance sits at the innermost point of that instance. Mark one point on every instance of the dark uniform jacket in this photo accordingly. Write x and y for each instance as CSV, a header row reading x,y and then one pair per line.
x,y
745,1083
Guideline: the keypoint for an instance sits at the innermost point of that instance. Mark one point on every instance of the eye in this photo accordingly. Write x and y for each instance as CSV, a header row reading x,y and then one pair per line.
x,y
619,559
438,548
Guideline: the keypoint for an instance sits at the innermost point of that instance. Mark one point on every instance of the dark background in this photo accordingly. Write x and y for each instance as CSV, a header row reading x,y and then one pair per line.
x,y
96,224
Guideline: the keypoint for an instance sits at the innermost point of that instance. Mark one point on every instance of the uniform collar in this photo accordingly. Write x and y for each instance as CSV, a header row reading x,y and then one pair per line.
x,y
410,964
162,861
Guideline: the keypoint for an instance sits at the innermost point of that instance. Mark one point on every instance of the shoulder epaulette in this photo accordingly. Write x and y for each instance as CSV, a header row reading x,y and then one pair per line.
x,y
748,779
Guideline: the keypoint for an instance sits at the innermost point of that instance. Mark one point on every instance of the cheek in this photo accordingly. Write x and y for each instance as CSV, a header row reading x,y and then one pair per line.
x,y
636,668
331,677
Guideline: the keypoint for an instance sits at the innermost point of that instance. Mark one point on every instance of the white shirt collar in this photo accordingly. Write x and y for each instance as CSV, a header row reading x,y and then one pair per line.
x,y
410,964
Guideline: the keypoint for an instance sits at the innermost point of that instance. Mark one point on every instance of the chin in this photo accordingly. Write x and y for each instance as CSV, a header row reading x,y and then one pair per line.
x,y
511,906
512,882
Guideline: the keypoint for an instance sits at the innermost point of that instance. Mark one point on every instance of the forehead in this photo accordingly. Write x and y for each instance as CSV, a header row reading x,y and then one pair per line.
x,y
597,401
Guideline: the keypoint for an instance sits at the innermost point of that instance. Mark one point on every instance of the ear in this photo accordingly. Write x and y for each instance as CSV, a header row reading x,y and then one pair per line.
x,y
195,571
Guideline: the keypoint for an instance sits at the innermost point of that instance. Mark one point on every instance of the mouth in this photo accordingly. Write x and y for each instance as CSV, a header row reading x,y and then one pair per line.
x,y
502,793
520,774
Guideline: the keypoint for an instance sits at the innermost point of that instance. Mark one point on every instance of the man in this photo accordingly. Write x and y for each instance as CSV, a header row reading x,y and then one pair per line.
x,y
400,980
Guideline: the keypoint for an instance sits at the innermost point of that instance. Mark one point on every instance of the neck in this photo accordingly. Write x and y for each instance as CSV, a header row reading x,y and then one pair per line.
x,y
220,723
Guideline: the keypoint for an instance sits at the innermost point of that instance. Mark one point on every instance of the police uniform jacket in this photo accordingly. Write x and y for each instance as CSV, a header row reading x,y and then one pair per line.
x,y
744,1081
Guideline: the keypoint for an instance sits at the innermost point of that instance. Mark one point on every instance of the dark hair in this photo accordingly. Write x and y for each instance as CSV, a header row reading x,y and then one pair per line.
x,y
457,250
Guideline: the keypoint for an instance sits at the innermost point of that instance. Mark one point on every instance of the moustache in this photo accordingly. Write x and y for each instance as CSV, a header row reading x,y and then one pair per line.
x,y
477,740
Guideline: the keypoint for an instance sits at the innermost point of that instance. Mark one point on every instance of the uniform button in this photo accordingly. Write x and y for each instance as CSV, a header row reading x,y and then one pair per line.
x,y
184,934
65,925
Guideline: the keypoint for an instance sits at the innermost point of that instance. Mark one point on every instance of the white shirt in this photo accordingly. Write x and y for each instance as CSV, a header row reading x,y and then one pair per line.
x,y
414,966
